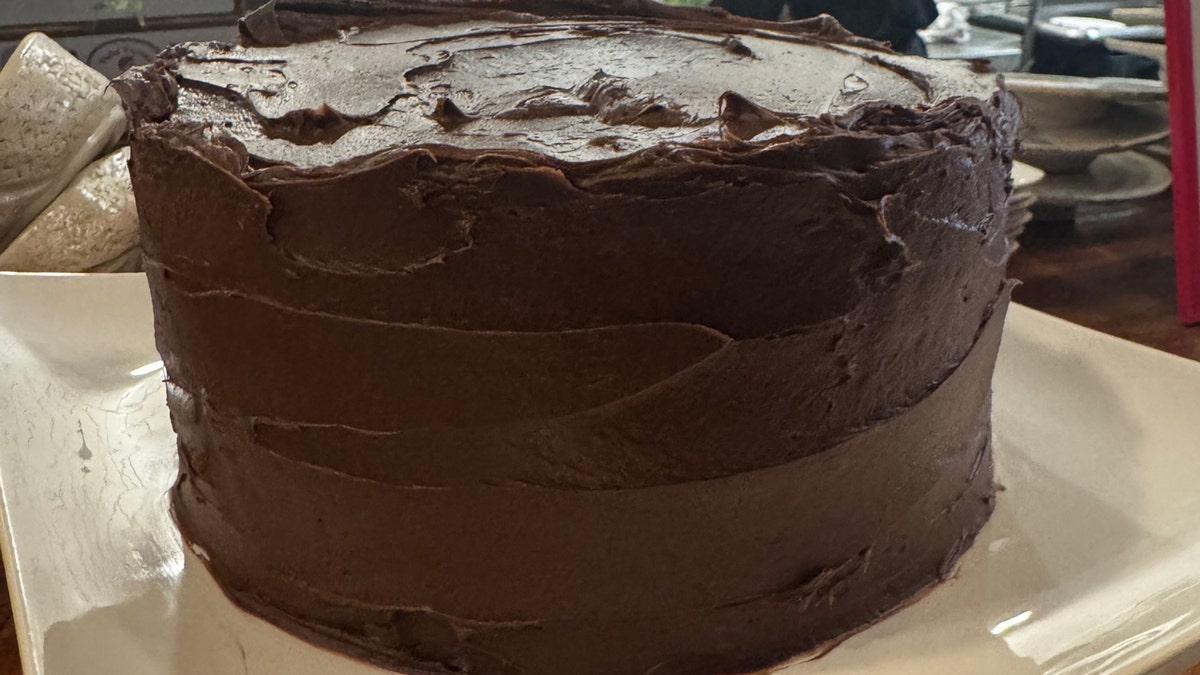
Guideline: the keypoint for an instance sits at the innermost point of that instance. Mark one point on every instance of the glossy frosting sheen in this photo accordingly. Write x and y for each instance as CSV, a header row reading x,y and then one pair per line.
x,y
589,338
569,89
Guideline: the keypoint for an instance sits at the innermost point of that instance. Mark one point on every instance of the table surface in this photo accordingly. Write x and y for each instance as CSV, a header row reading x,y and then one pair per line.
x,y
1115,275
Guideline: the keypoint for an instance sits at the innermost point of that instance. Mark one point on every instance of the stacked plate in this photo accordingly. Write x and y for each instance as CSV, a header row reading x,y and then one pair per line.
x,y
1020,204
1082,132
1148,49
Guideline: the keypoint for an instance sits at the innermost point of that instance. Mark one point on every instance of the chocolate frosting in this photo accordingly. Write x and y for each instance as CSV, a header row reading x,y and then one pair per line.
x,y
581,337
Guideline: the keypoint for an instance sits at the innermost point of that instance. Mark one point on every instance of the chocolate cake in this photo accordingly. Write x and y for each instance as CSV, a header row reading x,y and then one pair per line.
x,y
572,338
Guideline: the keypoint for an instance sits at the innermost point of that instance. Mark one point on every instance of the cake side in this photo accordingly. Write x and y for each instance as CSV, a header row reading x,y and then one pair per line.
x,y
724,576
857,289
694,400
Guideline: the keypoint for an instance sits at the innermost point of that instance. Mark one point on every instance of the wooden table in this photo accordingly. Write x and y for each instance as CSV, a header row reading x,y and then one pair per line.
x,y
10,660
1115,275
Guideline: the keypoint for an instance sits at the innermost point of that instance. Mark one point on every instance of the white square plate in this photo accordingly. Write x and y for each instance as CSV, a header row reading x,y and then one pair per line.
x,y
1090,565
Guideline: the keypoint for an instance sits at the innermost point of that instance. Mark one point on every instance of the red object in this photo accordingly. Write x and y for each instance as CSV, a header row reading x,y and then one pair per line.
x,y
1181,75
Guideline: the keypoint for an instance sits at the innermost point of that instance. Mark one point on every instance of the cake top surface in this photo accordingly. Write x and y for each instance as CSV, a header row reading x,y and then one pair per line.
x,y
314,84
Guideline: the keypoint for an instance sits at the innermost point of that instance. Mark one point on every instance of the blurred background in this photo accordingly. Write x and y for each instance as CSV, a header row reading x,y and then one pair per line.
x,y
1090,217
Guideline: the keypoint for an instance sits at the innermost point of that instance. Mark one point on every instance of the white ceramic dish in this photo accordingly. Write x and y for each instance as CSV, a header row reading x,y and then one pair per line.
x,y
1017,220
1068,121
1160,151
1091,564
1073,149
1025,175
1087,26
1115,177
1021,200
1078,89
